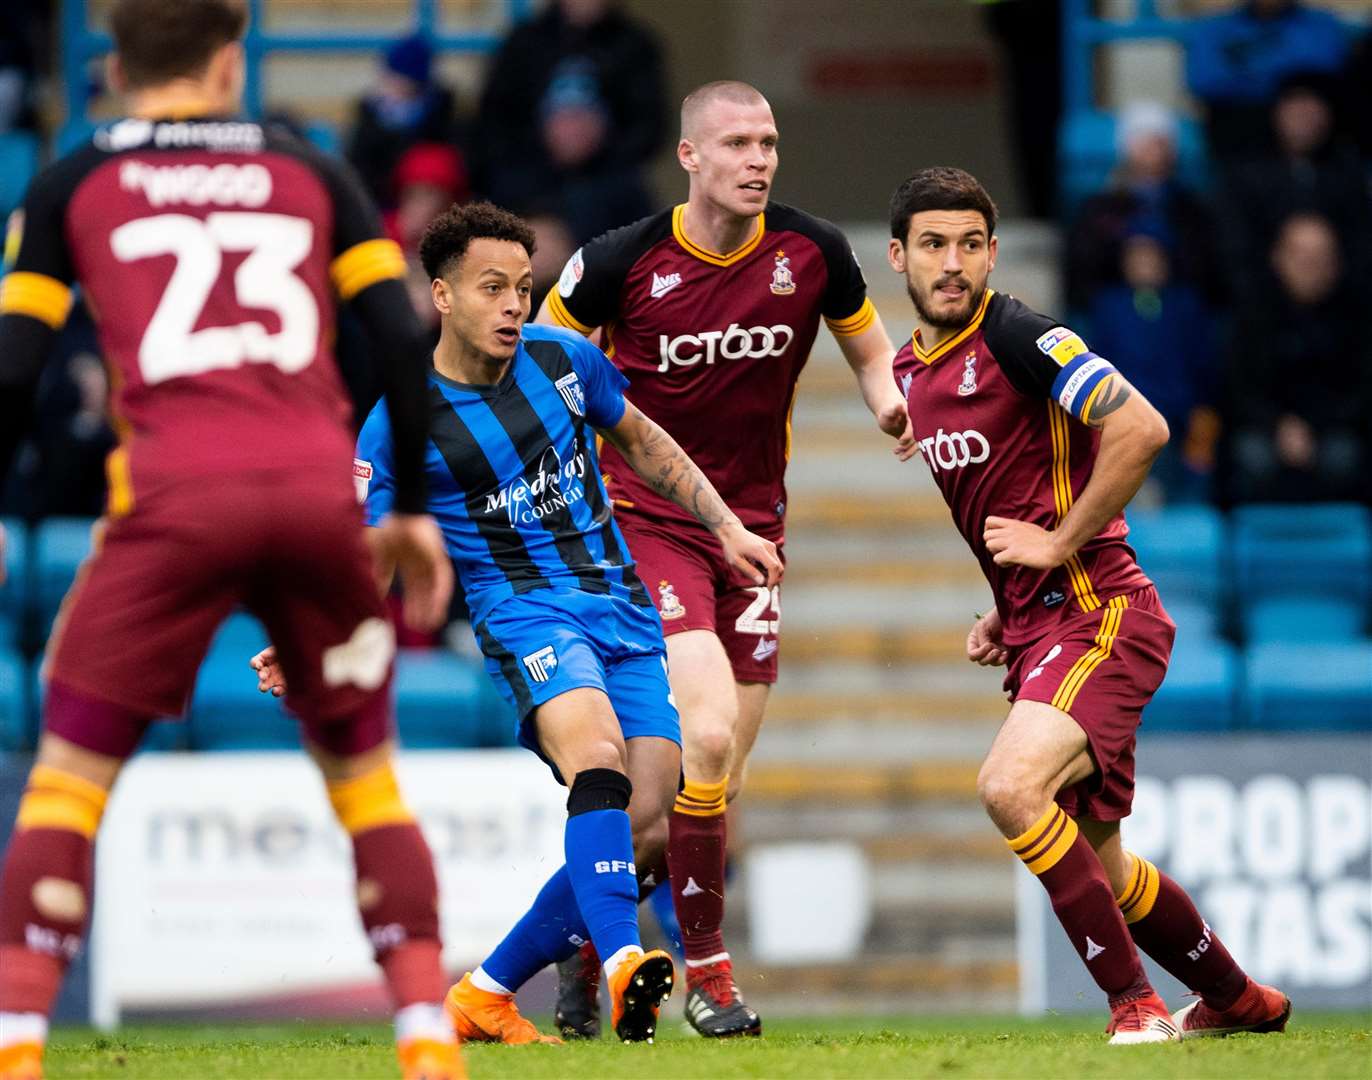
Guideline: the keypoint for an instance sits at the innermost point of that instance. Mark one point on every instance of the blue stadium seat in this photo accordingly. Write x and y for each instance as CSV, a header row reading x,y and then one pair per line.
x,y
1304,618
14,593
1181,548
227,712
73,134
325,136
445,701
1323,687
18,162
1201,690
1193,620
16,730
1305,550
58,548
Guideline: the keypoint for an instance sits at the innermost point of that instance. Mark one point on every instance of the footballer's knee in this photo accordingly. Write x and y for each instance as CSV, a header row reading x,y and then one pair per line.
x,y
1013,800
709,747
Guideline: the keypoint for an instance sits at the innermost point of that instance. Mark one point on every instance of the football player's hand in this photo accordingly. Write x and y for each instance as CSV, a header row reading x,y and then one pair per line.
x,y
752,556
984,645
270,678
1022,543
414,545
894,419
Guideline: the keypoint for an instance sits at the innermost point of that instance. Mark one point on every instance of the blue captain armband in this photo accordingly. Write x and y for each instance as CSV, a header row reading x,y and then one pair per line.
x,y
1077,382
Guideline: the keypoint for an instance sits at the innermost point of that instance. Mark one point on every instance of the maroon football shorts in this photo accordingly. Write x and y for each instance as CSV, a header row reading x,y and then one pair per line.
x,y
1102,668
685,573
287,547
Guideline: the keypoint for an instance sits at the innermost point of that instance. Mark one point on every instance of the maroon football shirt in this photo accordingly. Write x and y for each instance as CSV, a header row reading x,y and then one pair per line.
x,y
712,345
998,411
210,253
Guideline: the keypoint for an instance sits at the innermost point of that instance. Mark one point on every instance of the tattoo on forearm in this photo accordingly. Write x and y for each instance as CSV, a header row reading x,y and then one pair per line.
x,y
1114,392
669,472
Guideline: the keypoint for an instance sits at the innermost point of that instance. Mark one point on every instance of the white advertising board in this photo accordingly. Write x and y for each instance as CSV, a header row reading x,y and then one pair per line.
x,y
224,877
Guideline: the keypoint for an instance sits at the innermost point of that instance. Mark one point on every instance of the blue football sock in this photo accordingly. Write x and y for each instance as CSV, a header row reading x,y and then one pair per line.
x,y
600,859
550,931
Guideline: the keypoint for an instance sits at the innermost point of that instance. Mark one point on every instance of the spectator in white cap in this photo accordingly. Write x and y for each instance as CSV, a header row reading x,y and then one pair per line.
x,y
1143,194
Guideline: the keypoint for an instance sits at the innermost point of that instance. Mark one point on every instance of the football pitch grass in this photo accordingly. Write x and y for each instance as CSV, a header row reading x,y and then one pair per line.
x,y
1316,1046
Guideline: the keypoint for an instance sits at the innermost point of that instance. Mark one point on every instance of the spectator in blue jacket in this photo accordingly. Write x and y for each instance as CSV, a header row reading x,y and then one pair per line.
x,y
1160,333
1237,61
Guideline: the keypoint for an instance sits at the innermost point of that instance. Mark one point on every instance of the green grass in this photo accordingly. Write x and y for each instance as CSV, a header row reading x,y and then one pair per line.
x,y
1317,1046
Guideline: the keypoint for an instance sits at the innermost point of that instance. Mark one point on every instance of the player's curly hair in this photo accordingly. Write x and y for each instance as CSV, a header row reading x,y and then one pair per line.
x,y
940,187
446,239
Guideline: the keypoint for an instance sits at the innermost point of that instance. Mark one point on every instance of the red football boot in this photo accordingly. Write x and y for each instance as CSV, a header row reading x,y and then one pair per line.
x,y
1259,1008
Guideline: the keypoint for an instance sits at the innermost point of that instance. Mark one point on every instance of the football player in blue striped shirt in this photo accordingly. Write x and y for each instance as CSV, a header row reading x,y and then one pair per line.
x,y
569,633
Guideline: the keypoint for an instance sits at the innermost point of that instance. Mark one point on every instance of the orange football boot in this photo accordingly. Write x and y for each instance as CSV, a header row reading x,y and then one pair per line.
x,y
21,1061
1260,1009
637,988
429,1059
482,1016
1142,1018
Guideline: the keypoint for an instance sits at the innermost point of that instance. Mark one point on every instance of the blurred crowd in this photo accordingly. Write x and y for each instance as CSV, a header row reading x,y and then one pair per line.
x,y
1234,304
1227,288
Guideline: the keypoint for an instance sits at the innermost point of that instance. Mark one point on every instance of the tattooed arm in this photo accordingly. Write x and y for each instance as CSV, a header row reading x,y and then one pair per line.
x,y
1132,434
656,457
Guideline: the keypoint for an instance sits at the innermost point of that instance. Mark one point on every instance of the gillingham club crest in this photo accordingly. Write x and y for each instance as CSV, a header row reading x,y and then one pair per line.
x,y
783,284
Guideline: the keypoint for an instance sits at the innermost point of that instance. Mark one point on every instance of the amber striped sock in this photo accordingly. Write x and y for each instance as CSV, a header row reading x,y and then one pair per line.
x,y
1166,925
1059,856
695,861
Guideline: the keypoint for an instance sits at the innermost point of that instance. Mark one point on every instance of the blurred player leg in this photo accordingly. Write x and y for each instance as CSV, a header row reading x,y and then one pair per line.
x,y
1166,925
313,590
46,889
1039,751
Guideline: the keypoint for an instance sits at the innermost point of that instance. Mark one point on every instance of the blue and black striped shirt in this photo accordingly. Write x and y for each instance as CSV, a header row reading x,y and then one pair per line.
x,y
514,479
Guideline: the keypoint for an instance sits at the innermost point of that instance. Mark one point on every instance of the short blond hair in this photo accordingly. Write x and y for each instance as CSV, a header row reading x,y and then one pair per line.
x,y
740,93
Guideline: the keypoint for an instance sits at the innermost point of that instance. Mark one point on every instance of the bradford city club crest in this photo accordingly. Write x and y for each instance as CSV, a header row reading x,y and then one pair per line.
x,y
783,284
669,604
969,375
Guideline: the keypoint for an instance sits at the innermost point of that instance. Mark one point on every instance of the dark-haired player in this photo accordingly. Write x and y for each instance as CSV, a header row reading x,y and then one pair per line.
x,y
212,252
1038,444
567,628
710,310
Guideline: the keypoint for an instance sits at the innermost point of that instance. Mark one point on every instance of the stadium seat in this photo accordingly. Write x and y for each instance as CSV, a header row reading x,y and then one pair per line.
x,y
445,701
1181,549
1304,618
1200,692
14,593
18,163
73,134
227,712
325,136
1304,687
1299,551
16,729
1193,620
58,547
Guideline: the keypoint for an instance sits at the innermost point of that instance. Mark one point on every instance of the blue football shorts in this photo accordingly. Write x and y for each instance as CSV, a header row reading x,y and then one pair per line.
x,y
544,643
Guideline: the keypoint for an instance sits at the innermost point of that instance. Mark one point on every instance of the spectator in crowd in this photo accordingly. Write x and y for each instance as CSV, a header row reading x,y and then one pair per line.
x,y
1300,376
574,103
23,48
61,469
556,244
1160,333
1314,168
1236,61
406,106
428,178
1144,194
